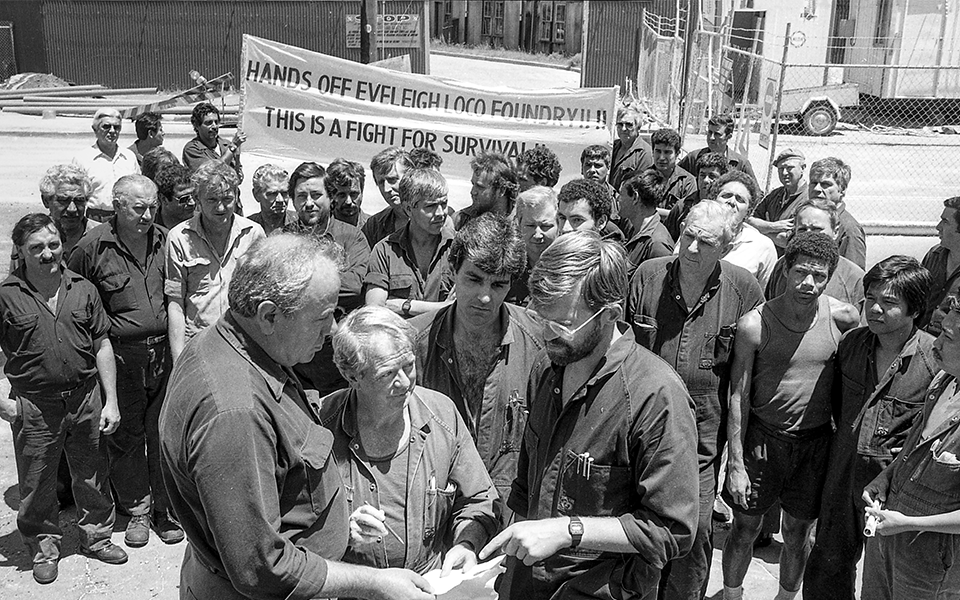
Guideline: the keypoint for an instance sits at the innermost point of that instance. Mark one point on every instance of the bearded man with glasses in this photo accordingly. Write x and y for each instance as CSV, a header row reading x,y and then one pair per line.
x,y
606,488
106,162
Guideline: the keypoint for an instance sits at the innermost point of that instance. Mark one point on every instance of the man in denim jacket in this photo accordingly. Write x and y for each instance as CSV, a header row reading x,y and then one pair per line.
x,y
916,500
885,369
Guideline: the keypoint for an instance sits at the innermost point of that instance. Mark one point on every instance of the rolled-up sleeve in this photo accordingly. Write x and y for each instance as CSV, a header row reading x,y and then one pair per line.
x,y
666,475
240,499
176,273
352,278
378,266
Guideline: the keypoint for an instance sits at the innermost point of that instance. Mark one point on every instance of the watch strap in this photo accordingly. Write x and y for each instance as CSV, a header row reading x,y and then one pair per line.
x,y
576,531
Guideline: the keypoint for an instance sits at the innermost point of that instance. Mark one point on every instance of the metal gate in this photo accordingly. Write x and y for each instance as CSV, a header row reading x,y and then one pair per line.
x,y
8,60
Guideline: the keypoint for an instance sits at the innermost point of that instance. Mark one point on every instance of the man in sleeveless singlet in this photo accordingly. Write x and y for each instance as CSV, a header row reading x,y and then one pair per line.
x,y
779,425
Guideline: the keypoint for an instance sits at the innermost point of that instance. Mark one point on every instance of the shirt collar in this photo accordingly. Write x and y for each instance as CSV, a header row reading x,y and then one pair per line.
x,y
611,361
274,374
448,314
713,281
647,228
419,414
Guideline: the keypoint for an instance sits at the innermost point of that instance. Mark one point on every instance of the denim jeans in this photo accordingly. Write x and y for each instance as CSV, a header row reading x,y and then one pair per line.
x,y
134,448
44,429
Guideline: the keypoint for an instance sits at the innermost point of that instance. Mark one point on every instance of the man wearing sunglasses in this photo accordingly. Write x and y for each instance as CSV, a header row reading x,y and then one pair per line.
x,y
685,308
606,481
178,201
106,162
479,350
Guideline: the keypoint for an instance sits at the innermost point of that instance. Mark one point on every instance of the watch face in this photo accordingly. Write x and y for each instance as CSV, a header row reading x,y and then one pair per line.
x,y
576,528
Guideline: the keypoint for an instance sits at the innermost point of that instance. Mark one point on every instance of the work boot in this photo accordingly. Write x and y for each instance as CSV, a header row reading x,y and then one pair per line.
x,y
45,572
138,531
109,553
167,530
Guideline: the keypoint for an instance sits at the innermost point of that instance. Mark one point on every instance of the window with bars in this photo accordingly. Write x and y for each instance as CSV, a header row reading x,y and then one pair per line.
x,y
491,21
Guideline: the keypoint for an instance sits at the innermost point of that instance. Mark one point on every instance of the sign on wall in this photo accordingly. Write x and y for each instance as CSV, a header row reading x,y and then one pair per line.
x,y
393,31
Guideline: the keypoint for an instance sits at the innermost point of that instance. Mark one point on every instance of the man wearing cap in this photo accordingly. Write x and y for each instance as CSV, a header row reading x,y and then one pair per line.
x,y
773,217
106,162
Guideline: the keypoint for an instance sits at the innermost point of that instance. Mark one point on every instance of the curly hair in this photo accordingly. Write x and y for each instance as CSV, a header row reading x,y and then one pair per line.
x,y
541,165
66,174
425,158
592,191
342,173
713,160
201,111
169,178
740,177
812,244
505,179
666,137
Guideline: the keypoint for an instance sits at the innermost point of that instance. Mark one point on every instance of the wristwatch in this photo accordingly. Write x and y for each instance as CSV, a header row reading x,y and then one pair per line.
x,y
406,307
576,531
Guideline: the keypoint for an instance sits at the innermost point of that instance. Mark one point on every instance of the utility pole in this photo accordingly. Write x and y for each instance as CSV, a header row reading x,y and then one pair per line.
x,y
368,31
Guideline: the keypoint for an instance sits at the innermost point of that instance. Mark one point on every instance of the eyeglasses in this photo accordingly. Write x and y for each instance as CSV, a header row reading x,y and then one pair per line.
x,y
66,201
557,328
109,127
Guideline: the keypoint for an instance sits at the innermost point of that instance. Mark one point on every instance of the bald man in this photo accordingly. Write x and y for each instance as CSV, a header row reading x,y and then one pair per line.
x,y
125,259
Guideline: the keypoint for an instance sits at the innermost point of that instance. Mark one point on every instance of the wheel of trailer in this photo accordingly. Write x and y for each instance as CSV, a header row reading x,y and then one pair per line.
x,y
819,119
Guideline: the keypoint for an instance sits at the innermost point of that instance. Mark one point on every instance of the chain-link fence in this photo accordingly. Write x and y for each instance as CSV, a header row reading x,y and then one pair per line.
x,y
885,110
8,60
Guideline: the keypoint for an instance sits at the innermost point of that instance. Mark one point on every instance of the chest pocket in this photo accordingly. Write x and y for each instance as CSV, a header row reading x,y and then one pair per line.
x,y
24,327
645,331
315,454
115,287
401,286
597,490
437,507
198,276
717,348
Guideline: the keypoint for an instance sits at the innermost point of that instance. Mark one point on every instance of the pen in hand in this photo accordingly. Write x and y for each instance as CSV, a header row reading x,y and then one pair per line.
x,y
387,527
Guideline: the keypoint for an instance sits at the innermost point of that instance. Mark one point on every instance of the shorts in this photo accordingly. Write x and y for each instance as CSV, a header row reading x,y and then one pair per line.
x,y
783,465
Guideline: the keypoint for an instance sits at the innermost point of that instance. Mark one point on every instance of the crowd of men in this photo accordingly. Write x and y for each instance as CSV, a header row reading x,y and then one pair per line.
x,y
652,341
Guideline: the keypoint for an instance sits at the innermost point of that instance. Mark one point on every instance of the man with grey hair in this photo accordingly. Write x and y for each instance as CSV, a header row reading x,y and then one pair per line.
x,y
632,154
479,350
202,254
106,162
125,260
536,216
606,482
270,184
65,191
236,418
685,309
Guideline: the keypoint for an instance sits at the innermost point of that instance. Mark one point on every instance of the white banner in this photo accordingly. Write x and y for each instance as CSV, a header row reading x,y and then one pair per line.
x,y
303,105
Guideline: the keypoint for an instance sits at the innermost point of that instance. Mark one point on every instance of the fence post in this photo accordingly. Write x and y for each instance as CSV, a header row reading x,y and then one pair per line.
x,y
776,114
743,121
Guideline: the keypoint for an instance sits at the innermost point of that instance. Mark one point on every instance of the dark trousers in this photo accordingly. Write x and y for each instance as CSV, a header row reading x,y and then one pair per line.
x,y
46,428
912,566
686,578
134,448
831,570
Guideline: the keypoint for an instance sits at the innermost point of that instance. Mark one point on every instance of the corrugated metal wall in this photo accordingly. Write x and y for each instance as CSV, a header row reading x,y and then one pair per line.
x,y
131,44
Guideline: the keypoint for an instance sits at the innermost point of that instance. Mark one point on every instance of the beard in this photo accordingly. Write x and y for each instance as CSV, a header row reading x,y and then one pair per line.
x,y
563,352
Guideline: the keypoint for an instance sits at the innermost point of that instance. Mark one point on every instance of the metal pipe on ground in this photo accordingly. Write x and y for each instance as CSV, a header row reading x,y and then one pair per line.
x,y
78,89
74,92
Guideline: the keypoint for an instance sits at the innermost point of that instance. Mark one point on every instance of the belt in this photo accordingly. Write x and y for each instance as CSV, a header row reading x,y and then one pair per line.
x,y
799,435
79,390
150,340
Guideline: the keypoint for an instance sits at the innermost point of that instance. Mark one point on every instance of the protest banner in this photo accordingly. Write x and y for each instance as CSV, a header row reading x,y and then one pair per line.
x,y
304,105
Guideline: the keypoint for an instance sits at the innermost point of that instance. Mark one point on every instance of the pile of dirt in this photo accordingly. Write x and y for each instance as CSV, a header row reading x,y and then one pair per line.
x,y
28,81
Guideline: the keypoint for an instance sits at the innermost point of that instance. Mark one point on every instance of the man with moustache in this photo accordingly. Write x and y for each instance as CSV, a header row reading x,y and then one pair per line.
x,y
773,217
53,333
479,350
885,368
208,145
685,309
780,416
65,192
606,487
124,258
408,271
270,188
344,183
105,162
237,421
537,220
202,254
915,500
493,187
387,167
829,179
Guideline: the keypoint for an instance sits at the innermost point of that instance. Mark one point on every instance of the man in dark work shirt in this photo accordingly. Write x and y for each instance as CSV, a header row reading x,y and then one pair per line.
x,y
479,350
